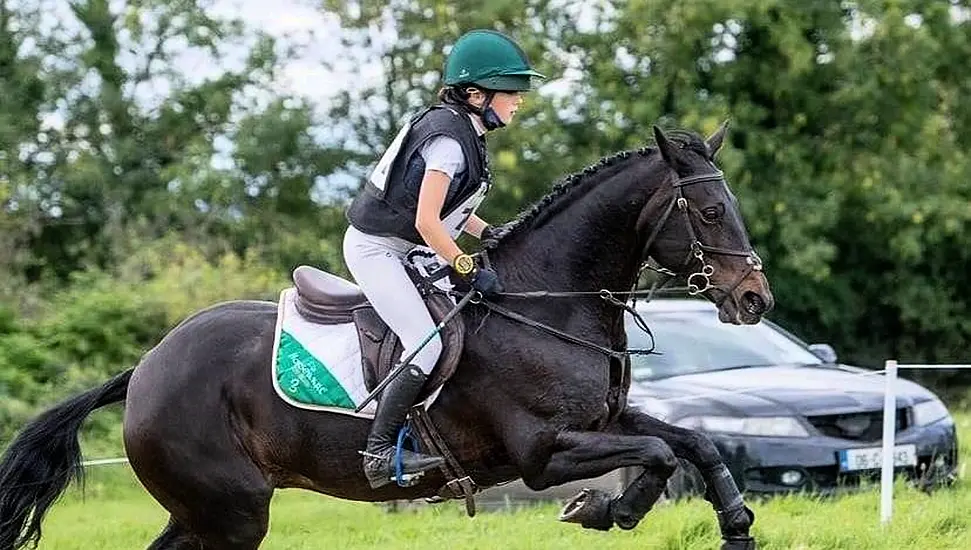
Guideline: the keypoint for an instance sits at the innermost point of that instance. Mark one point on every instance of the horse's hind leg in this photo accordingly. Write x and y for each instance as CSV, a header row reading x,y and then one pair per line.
x,y
217,514
218,501
175,537
225,522
233,522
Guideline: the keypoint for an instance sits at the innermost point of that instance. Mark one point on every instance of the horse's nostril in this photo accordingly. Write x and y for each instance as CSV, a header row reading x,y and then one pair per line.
x,y
754,303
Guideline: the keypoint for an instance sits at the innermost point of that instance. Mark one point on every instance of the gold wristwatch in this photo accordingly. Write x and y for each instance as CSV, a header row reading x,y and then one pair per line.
x,y
463,264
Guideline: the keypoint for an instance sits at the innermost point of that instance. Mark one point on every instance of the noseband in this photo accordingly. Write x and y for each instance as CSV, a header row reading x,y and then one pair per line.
x,y
699,281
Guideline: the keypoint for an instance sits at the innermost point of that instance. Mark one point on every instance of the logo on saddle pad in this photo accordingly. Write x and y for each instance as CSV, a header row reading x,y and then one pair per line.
x,y
331,348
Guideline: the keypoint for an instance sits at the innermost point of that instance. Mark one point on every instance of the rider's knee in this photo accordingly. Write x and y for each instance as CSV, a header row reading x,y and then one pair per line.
x,y
429,355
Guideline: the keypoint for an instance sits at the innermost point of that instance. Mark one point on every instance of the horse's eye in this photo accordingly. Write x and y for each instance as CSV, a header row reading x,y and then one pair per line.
x,y
712,214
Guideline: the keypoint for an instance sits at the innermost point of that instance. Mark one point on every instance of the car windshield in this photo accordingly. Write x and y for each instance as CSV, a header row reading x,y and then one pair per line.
x,y
692,342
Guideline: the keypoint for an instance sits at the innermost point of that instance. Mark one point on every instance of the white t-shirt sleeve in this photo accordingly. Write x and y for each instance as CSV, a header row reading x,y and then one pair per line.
x,y
443,154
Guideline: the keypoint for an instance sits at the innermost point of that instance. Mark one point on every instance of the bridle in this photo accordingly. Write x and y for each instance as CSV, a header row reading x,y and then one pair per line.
x,y
698,282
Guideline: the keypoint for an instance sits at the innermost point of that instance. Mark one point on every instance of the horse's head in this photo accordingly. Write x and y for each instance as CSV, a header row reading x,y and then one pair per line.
x,y
700,233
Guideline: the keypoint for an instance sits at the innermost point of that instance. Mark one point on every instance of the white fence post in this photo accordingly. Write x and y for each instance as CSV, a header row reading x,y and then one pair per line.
x,y
889,428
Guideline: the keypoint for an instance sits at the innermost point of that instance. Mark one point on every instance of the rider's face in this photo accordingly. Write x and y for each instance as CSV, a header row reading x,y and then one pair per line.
x,y
505,104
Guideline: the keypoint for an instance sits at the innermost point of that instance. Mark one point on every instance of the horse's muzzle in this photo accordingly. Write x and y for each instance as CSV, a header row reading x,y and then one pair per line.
x,y
747,303
754,303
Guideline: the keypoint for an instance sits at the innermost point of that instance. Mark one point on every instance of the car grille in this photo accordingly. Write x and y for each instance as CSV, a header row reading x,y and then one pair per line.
x,y
864,426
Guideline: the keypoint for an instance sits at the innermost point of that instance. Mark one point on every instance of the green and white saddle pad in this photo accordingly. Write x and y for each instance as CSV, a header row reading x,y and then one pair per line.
x,y
316,366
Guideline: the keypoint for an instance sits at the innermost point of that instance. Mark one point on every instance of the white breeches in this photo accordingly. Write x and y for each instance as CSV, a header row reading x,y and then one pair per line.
x,y
377,264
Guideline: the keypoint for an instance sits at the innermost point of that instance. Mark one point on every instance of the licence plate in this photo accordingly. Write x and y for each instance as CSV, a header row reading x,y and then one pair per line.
x,y
872,458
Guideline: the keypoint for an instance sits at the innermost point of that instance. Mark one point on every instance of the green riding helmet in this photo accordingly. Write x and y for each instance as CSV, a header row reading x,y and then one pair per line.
x,y
491,60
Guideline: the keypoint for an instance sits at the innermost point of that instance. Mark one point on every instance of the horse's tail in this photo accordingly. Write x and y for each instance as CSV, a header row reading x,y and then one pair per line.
x,y
43,459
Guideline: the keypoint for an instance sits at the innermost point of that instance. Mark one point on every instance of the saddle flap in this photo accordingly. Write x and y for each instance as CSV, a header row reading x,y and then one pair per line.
x,y
381,349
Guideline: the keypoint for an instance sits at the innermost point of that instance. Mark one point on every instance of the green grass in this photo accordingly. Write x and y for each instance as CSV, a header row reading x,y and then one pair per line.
x,y
116,513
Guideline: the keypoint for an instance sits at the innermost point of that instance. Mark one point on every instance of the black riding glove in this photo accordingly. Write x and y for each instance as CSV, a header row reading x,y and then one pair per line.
x,y
486,281
483,279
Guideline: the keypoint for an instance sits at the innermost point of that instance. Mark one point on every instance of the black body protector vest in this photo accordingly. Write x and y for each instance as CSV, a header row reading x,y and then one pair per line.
x,y
388,203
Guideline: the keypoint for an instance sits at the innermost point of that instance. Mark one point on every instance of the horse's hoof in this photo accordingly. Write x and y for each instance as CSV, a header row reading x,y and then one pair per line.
x,y
738,543
590,508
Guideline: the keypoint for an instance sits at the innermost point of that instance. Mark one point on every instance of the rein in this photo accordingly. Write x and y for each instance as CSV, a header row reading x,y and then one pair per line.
x,y
608,297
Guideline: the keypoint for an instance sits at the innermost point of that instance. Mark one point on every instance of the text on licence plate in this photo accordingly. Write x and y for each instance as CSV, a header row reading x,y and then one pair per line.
x,y
871,458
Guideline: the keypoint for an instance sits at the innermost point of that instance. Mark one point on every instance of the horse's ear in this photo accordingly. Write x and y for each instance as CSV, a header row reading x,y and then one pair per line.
x,y
715,141
665,146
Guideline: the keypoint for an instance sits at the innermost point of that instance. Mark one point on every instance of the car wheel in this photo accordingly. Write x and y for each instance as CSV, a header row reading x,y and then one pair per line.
x,y
942,473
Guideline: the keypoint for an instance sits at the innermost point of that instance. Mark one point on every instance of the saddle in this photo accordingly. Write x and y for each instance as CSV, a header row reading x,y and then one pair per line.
x,y
327,299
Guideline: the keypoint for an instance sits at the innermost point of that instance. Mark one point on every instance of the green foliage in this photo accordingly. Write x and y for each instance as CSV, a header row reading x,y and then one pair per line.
x,y
104,322
182,278
110,140
101,325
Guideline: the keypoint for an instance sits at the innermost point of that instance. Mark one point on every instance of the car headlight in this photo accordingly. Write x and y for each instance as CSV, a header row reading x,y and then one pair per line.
x,y
929,412
769,426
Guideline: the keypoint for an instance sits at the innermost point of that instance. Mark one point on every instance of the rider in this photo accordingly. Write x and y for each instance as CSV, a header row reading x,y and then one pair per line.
x,y
424,191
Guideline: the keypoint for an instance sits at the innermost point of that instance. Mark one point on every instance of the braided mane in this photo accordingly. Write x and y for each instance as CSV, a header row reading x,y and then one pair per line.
x,y
578,183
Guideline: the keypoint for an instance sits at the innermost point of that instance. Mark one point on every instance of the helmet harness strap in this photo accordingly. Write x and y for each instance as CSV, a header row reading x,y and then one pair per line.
x,y
490,118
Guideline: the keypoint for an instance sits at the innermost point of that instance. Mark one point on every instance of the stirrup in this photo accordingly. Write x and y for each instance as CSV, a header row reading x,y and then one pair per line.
x,y
396,461
391,470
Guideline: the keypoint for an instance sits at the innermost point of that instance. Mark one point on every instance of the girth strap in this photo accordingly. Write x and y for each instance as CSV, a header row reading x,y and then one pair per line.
x,y
457,481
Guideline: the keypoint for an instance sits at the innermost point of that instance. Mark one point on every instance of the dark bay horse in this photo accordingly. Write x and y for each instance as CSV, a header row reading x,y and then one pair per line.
x,y
209,438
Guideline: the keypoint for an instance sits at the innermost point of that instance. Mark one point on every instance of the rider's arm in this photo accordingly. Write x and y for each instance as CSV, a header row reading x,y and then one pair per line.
x,y
475,225
428,221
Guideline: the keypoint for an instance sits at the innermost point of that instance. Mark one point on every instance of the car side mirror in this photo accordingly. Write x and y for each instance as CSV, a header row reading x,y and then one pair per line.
x,y
824,352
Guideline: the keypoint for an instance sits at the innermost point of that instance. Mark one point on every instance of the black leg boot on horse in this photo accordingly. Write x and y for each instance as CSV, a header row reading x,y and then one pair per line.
x,y
379,457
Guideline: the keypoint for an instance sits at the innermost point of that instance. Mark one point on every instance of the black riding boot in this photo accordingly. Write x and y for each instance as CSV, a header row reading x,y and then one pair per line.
x,y
379,458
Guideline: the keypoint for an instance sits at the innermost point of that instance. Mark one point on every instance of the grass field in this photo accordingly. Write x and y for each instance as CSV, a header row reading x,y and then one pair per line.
x,y
116,513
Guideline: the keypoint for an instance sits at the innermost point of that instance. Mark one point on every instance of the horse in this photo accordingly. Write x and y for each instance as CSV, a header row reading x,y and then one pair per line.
x,y
539,393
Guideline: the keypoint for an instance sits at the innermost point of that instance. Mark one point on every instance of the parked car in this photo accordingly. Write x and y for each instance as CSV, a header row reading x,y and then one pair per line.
x,y
785,415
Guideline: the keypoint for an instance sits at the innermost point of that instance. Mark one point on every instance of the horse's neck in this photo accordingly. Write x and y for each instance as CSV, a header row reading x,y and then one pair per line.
x,y
592,243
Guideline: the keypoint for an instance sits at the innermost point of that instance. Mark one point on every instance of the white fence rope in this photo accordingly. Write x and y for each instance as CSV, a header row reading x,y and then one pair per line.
x,y
101,461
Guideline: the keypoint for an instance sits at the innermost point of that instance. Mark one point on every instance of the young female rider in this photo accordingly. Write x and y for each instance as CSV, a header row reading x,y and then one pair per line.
x,y
425,191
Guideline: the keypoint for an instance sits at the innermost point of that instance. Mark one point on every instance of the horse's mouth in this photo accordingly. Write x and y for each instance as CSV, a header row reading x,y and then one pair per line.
x,y
746,309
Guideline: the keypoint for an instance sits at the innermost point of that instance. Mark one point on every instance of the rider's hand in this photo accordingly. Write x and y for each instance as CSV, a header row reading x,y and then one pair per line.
x,y
483,279
486,281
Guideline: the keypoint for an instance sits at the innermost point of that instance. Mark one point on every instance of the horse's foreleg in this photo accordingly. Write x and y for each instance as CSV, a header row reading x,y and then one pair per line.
x,y
734,518
584,455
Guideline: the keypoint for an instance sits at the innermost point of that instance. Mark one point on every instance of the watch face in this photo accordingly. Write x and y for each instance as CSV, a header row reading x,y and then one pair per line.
x,y
464,264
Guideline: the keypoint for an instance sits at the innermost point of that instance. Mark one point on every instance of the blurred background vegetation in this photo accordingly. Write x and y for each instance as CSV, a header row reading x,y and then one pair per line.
x,y
133,191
